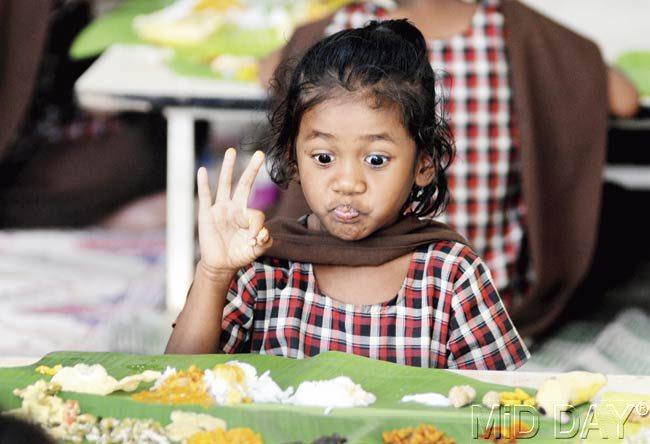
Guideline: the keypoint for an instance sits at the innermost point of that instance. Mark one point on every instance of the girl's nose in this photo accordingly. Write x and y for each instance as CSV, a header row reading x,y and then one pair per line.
x,y
349,181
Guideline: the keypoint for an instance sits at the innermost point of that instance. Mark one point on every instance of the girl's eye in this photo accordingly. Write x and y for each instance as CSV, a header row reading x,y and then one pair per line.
x,y
322,158
377,160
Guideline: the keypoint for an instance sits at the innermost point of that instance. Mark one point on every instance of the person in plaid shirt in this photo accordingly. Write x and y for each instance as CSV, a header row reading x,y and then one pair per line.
x,y
356,123
498,61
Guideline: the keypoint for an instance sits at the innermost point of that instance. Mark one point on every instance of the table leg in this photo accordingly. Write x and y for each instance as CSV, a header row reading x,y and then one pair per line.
x,y
180,206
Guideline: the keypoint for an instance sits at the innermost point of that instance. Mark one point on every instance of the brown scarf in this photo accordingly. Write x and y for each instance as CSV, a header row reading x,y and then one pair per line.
x,y
293,240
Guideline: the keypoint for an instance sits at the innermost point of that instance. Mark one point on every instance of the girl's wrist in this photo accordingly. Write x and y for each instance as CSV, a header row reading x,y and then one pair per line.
x,y
214,274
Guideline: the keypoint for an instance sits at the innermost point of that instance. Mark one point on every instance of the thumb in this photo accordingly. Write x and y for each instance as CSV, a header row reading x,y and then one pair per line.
x,y
256,220
260,249
241,218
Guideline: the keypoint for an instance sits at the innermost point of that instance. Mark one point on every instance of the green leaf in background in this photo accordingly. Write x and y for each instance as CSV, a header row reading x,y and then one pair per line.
x,y
229,39
195,60
636,64
113,27
285,423
186,67
117,27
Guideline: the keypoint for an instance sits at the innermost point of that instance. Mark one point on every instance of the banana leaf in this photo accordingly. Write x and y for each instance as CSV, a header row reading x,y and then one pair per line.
x,y
291,424
636,64
612,416
113,27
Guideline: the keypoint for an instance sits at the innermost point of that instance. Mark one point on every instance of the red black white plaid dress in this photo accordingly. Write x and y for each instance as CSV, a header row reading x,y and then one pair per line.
x,y
447,314
484,180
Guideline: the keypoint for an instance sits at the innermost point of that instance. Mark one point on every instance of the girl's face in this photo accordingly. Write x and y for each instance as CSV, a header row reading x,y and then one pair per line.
x,y
357,165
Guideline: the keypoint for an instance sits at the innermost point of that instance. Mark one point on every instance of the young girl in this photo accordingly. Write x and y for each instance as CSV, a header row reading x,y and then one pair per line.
x,y
361,273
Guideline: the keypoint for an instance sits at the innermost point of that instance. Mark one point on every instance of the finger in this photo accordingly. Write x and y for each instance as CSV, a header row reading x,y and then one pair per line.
x,y
245,184
225,175
256,223
262,236
203,186
260,249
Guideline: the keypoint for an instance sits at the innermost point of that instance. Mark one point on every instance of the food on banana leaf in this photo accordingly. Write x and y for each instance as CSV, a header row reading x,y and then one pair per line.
x,y
516,397
128,430
461,395
422,434
230,67
41,405
177,388
641,437
186,424
193,22
333,439
492,399
225,384
430,399
239,435
235,380
64,421
640,414
184,22
95,380
560,393
337,392
321,8
227,37
48,371
508,434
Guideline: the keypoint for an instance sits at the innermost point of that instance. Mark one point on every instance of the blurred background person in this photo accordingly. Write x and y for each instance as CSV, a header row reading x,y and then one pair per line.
x,y
528,103
60,166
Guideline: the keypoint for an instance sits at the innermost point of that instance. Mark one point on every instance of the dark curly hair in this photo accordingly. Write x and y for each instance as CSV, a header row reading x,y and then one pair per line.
x,y
386,60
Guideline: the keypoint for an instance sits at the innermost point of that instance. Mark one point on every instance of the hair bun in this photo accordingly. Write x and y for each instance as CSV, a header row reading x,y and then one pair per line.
x,y
405,30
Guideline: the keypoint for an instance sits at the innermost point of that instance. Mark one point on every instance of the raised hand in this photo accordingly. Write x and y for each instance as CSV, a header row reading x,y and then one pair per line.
x,y
231,235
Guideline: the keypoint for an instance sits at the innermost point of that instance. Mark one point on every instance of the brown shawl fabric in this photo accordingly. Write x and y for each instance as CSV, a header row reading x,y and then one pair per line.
x,y
23,30
292,240
559,85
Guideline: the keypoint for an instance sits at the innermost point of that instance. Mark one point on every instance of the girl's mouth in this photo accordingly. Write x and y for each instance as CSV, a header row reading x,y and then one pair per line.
x,y
345,213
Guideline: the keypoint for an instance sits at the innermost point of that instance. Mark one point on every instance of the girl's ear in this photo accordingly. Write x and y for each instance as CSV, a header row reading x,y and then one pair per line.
x,y
296,176
425,170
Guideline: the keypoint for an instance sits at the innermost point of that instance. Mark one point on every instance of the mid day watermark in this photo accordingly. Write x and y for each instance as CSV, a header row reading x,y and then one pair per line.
x,y
523,421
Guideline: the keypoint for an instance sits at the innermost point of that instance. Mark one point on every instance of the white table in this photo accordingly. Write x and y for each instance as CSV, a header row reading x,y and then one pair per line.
x,y
134,78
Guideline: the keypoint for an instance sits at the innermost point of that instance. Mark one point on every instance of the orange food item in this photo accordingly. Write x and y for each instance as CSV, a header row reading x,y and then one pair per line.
x,y
239,435
507,435
422,434
183,387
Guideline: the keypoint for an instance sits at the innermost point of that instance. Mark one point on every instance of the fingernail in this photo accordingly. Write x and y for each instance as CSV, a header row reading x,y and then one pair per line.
x,y
230,152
